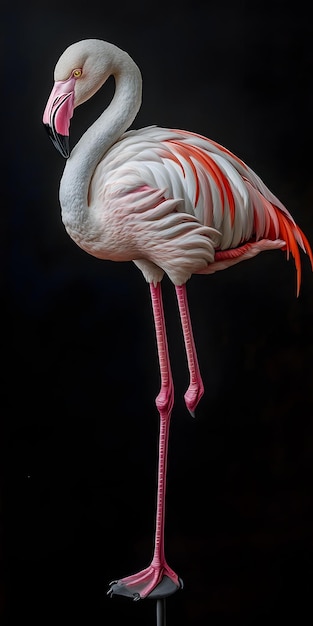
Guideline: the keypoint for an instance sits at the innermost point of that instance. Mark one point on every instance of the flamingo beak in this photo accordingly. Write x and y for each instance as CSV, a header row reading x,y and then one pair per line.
x,y
57,115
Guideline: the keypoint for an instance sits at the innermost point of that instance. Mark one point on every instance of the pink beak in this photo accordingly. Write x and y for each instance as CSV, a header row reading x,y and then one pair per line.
x,y
58,113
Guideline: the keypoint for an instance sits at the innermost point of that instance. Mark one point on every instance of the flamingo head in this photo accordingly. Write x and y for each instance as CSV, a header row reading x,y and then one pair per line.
x,y
80,71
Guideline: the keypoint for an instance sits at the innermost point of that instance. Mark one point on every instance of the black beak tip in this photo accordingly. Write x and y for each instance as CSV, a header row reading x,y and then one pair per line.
x,y
60,142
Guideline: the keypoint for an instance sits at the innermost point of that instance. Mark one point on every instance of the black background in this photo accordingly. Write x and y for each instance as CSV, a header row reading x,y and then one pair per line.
x,y
79,363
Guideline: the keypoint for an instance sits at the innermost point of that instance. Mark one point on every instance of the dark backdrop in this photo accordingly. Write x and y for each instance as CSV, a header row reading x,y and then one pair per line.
x,y
79,364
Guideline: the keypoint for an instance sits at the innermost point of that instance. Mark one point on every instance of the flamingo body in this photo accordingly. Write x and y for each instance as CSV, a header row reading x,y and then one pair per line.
x,y
150,177
173,202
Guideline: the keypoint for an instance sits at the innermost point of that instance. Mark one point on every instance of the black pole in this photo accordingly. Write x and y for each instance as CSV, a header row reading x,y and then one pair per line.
x,y
161,612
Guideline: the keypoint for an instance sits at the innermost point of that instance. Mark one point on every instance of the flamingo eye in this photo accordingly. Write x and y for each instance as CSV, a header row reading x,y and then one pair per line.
x,y
77,73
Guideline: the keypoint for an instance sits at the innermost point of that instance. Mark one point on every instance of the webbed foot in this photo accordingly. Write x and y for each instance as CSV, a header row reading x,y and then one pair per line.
x,y
151,582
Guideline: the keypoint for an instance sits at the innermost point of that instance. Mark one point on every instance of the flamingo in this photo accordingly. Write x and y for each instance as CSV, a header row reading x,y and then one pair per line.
x,y
173,202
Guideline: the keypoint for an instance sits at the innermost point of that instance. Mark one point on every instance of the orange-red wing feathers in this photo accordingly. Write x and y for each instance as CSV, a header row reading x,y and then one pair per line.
x,y
270,221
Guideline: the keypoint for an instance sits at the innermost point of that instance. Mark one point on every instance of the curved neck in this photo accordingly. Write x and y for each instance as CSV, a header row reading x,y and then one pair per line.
x,y
95,142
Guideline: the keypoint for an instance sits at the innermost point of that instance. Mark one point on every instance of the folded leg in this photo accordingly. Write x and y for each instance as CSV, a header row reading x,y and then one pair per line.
x,y
195,390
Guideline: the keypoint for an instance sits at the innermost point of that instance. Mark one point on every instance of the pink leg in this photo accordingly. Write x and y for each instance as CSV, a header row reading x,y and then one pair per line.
x,y
157,580
195,390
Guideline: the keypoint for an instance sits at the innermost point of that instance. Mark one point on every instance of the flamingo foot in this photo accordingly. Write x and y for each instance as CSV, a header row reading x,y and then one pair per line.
x,y
153,582
193,396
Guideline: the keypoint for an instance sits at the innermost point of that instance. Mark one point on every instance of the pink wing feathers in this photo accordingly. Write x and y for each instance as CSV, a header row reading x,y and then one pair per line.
x,y
191,174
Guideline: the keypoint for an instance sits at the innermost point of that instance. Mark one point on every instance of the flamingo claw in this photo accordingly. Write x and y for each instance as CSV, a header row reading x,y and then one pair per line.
x,y
110,591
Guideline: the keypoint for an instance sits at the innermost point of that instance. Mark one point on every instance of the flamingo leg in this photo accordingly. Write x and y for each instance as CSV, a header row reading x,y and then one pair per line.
x,y
195,390
158,580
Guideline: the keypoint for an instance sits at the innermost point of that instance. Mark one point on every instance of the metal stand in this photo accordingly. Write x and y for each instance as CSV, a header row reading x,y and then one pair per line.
x,y
161,612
